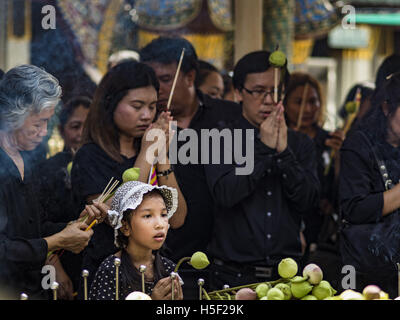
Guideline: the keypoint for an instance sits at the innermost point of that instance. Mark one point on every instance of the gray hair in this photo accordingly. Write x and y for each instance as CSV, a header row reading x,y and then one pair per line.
x,y
26,90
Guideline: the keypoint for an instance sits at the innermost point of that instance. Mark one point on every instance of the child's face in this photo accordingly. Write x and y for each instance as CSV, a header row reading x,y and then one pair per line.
x,y
149,223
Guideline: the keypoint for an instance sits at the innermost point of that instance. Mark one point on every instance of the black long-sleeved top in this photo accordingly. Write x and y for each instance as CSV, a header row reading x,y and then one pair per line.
x,y
23,250
360,184
259,215
196,232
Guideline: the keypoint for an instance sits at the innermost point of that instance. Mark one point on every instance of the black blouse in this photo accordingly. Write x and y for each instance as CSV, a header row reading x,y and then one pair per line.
x,y
91,171
361,186
104,284
23,250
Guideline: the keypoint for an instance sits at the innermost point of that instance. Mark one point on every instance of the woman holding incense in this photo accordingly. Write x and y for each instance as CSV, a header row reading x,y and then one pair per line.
x,y
304,112
115,138
370,192
28,96
139,216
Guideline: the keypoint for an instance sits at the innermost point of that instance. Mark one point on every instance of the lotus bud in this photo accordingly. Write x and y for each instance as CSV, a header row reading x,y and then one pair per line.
x,y
372,292
246,294
313,272
287,268
351,107
322,290
285,288
199,260
309,297
137,295
275,294
351,295
131,174
277,59
300,289
262,290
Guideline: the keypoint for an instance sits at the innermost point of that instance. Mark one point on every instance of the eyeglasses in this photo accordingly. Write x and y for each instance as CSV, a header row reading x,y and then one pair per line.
x,y
262,94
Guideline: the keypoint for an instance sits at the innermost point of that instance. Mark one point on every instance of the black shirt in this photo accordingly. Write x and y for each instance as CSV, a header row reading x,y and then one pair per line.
x,y
259,214
196,232
91,171
360,184
23,250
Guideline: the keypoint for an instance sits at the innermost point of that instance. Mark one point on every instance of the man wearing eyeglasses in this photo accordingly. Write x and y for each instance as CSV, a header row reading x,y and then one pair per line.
x,y
258,219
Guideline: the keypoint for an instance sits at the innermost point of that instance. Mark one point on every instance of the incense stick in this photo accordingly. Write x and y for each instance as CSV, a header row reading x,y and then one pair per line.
x,y
303,103
175,79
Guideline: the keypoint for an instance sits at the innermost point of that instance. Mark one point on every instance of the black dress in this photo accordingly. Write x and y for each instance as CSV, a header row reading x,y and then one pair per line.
x,y
104,284
23,250
59,205
91,171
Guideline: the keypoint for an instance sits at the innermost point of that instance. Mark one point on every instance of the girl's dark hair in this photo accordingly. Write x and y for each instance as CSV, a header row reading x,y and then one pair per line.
x,y
69,108
298,79
123,240
205,69
375,122
100,127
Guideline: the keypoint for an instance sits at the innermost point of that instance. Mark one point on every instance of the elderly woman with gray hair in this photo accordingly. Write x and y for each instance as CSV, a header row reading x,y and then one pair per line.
x,y
28,96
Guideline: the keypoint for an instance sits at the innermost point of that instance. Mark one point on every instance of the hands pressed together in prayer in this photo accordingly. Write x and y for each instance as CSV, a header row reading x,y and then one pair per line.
x,y
273,130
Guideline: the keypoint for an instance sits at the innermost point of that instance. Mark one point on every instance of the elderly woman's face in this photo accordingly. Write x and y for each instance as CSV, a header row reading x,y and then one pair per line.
x,y
31,134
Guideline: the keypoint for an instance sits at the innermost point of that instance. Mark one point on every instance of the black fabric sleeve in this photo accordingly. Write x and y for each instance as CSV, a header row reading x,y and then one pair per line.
x,y
18,249
361,193
103,285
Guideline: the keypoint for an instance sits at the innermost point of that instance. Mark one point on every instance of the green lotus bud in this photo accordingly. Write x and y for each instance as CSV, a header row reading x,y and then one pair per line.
x,y
383,296
262,290
309,297
275,294
351,107
69,167
372,292
285,288
246,294
322,290
287,268
199,260
300,289
298,279
313,273
351,295
277,59
264,298
131,174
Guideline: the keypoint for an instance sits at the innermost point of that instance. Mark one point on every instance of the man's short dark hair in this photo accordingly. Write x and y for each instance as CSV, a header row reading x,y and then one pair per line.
x,y
167,50
254,62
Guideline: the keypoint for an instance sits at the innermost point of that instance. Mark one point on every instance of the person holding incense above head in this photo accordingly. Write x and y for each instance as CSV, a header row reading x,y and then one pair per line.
x,y
369,192
57,199
192,110
115,139
259,214
304,112
209,80
139,215
28,96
